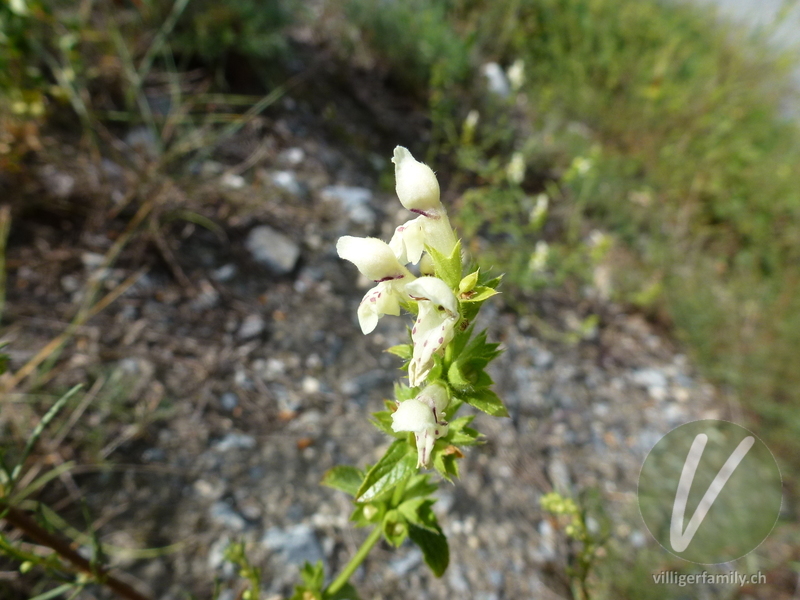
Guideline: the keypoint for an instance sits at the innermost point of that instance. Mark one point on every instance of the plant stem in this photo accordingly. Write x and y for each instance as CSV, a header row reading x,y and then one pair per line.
x,y
357,559
36,532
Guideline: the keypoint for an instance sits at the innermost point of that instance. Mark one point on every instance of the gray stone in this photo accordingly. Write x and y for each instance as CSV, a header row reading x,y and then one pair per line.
x,y
229,400
649,378
272,249
287,180
403,565
354,200
224,273
296,545
225,516
235,441
252,326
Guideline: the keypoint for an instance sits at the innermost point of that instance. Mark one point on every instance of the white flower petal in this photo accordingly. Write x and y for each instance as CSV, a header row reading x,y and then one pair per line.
x,y
416,184
373,257
412,415
408,241
436,397
432,331
435,291
383,299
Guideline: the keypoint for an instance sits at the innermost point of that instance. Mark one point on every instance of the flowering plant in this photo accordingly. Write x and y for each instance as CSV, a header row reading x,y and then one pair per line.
x,y
445,361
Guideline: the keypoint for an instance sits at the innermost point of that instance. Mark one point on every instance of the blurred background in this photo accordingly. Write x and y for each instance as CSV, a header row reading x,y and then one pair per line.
x,y
174,176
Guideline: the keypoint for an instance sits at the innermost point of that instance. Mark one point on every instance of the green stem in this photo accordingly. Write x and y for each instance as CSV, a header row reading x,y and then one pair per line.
x,y
351,567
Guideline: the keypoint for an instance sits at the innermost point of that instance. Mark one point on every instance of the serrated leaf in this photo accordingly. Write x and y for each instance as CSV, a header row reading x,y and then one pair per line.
x,y
418,512
404,351
447,268
487,401
419,486
403,392
460,434
344,478
399,462
383,421
434,548
444,461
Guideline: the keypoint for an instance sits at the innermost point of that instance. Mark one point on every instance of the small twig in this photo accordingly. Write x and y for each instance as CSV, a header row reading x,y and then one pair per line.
x,y
5,226
36,532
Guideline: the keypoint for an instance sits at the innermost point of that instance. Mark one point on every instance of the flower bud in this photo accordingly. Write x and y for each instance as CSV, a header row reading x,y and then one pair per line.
x,y
416,184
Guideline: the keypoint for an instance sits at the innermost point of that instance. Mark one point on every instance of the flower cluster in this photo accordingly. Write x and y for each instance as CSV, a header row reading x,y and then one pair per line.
x,y
431,298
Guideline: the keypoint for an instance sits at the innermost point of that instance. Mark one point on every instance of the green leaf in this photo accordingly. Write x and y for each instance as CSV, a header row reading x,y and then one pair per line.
x,y
419,485
399,462
402,392
404,351
418,512
383,421
313,575
434,548
486,400
344,478
447,268
460,434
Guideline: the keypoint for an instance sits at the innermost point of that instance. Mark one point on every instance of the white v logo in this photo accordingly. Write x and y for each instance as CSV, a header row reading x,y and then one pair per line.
x,y
680,539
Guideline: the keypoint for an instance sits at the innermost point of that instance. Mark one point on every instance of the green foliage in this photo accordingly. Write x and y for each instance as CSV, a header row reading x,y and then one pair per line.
x,y
236,553
395,466
344,478
249,28
415,38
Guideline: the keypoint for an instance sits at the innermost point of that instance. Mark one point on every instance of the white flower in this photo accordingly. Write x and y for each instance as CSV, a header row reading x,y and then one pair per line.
x,y
376,261
418,191
423,415
434,327
415,183
538,260
516,74
515,171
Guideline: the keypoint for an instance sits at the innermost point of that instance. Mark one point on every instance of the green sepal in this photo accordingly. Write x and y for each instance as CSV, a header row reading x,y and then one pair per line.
x,y
445,463
395,528
434,547
479,294
399,462
487,401
404,351
469,282
403,392
447,268
369,513
344,478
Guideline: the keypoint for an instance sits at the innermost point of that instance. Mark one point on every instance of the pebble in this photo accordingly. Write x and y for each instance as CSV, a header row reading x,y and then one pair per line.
x,y
229,400
224,273
225,516
292,156
296,544
252,326
354,200
235,441
403,565
233,181
272,249
287,180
